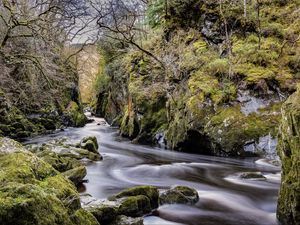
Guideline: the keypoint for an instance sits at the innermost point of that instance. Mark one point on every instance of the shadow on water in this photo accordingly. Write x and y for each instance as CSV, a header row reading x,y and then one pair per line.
x,y
224,198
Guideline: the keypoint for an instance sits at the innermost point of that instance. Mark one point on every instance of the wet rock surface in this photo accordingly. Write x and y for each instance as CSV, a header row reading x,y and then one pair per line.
x,y
179,195
252,176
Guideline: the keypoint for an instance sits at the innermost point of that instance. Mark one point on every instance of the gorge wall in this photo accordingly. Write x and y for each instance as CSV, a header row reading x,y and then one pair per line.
x,y
289,151
218,81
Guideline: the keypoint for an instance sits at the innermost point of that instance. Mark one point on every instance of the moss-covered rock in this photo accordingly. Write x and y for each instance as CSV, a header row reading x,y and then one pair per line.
x,y
105,212
90,144
8,146
64,189
83,217
61,164
230,130
74,115
288,210
30,204
76,175
82,153
14,123
63,154
135,206
24,167
33,192
148,191
179,195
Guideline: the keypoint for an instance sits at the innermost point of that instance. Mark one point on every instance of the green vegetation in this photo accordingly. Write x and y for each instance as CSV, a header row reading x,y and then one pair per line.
x,y
213,52
33,192
288,211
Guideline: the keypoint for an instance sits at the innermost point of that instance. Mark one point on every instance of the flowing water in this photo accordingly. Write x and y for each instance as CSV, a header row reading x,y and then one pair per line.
x,y
224,198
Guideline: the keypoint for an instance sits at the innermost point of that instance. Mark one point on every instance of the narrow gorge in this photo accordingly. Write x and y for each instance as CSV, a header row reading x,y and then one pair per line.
x,y
157,112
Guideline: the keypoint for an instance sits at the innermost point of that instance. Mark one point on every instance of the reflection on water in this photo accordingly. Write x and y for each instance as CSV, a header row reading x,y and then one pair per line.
x,y
224,198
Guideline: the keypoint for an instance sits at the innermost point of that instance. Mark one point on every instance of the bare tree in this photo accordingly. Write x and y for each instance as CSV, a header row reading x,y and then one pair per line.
x,y
47,20
123,21
36,39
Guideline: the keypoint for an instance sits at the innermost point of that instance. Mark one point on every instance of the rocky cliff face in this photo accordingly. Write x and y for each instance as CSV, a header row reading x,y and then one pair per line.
x,y
289,151
218,93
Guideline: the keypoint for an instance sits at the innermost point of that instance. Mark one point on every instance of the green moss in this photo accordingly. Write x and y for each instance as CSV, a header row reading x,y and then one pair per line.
x,y
200,46
204,86
32,191
289,198
129,125
135,206
83,217
149,191
217,67
230,129
59,163
75,115
87,154
104,213
64,190
24,168
76,175
254,73
179,195
90,143
28,204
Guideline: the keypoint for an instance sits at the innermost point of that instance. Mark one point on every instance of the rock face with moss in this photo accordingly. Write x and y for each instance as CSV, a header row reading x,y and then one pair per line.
x,y
216,94
33,192
17,124
289,150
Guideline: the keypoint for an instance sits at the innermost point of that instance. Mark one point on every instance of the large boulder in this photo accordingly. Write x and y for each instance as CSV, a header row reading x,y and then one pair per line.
x,y
83,217
149,191
124,207
76,175
104,211
135,206
288,210
90,144
179,195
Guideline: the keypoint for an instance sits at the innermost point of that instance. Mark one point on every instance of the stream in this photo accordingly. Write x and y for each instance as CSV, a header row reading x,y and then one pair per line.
x,y
225,199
